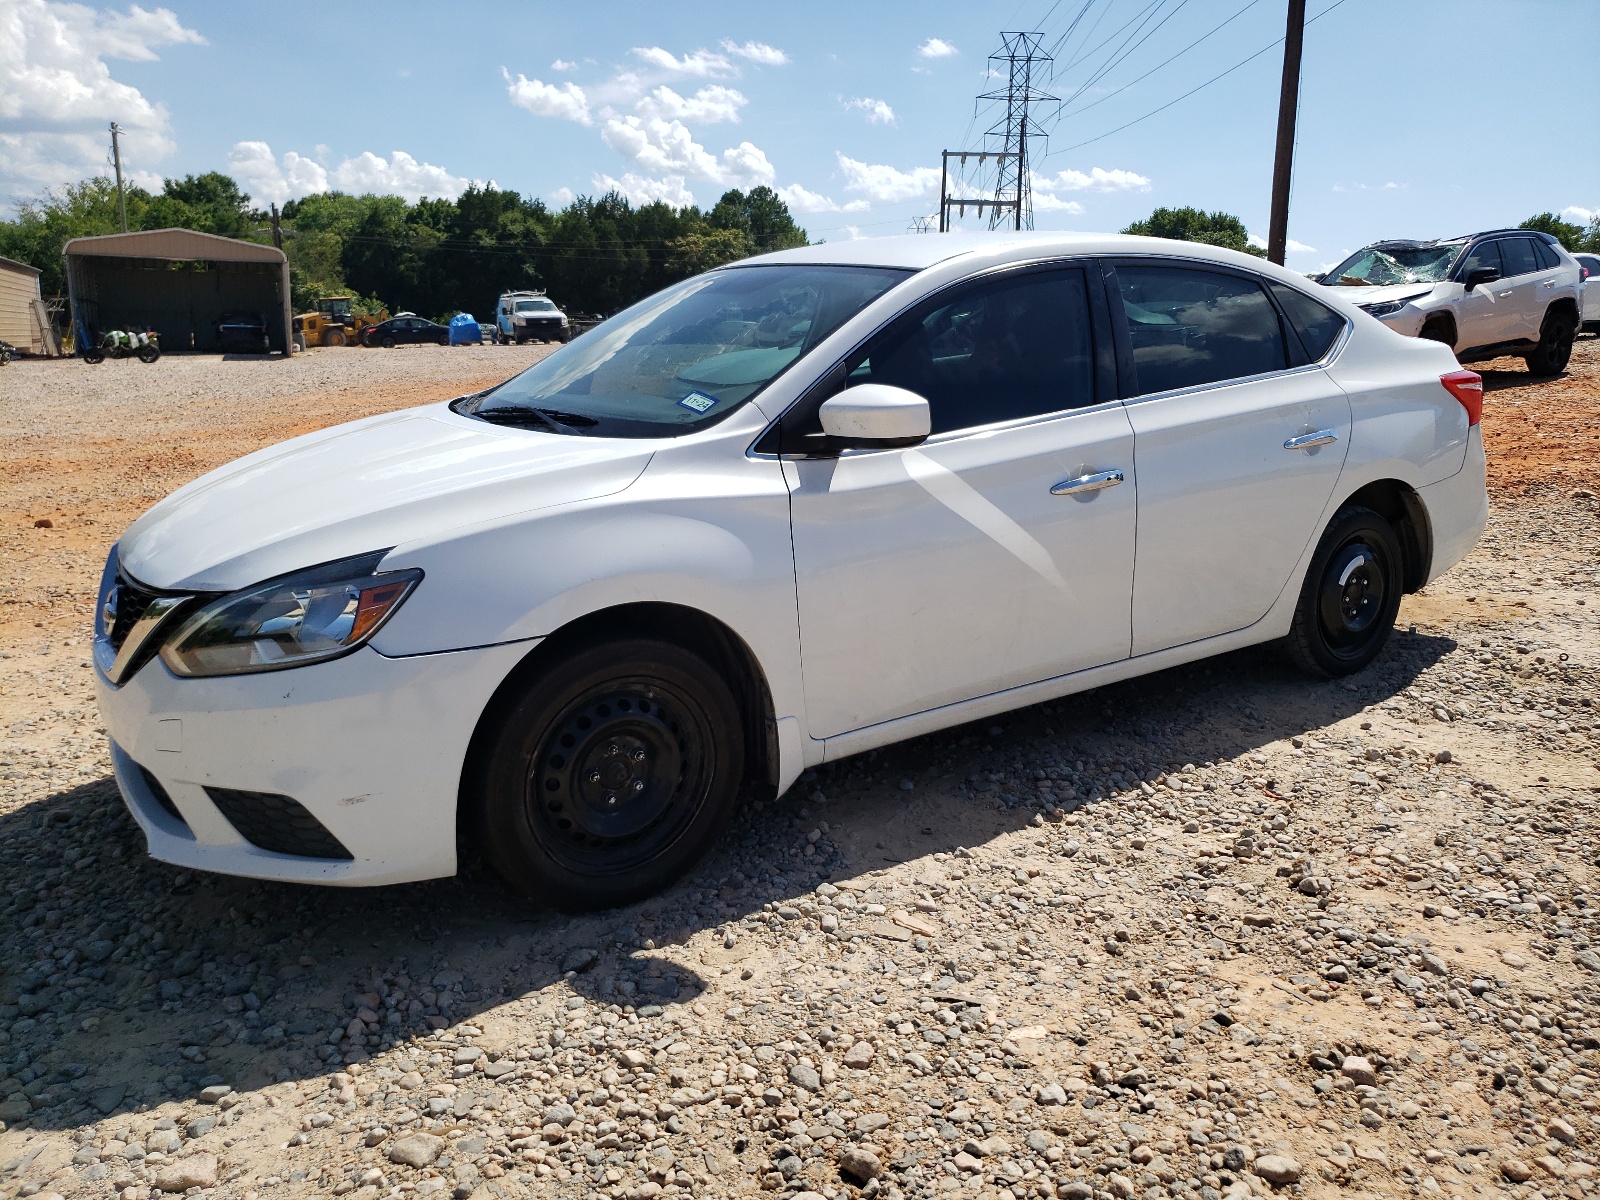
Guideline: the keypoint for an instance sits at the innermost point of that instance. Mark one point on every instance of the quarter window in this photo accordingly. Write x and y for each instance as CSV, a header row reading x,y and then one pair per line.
x,y
1011,348
1545,254
1516,255
1189,327
1316,324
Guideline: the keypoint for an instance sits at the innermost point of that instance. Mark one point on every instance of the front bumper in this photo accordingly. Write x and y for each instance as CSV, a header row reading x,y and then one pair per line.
x,y
1407,321
372,747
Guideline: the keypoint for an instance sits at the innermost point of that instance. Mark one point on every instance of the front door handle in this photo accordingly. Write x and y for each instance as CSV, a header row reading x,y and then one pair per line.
x,y
1087,483
1307,441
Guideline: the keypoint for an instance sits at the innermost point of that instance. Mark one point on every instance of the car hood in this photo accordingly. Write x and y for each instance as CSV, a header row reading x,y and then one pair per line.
x,y
1379,295
361,487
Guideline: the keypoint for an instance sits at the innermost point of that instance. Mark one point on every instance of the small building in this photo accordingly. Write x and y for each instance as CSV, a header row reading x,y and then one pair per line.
x,y
23,321
178,282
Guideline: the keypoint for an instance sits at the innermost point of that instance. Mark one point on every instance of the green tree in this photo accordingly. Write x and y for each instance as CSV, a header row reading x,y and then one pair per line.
x,y
1196,225
700,251
1569,235
43,226
762,215
211,203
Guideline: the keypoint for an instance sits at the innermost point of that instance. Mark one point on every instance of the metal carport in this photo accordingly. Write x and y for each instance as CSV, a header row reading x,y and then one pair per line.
x,y
178,282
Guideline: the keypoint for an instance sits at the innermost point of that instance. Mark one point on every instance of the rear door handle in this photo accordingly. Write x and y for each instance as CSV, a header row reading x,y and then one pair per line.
x,y
1307,441
1087,483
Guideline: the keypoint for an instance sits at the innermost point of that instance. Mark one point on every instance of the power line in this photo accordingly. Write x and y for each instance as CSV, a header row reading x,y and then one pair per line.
x,y
1190,92
1119,58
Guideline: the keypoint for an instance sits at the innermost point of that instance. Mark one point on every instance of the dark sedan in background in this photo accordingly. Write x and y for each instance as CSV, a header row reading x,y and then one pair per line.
x,y
243,333
405,331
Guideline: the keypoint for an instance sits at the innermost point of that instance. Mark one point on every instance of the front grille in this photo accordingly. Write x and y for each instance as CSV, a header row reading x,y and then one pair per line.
x,y
160,793
131,601
277,823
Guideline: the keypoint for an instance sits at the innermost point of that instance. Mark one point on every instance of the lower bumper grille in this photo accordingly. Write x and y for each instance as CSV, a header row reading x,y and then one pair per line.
x,y
160,793
277,823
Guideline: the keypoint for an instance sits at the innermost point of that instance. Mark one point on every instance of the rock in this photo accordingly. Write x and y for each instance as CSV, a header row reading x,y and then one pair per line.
x,y
580,959
106,1099
213,1094
871,1122
15,1108
192,1170
1052,1094
1512,959
1562,1130
1516,1170
859,1164
1358,1071
1277,1168
1443,756
805,1077
200,1126
418,1150
966,1162
859,1056
560,1114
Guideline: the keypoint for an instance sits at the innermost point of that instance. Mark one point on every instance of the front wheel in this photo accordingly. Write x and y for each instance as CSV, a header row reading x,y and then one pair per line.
x,y
94,357
1350,597
148,354
1555,347
387,343
610,774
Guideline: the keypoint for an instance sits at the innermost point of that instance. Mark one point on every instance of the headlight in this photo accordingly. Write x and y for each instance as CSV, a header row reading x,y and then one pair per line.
x,y
1384,308
303,618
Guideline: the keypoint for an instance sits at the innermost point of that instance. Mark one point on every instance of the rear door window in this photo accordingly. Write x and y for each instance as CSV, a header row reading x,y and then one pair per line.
x,y
1317,325
1188,327
1516,257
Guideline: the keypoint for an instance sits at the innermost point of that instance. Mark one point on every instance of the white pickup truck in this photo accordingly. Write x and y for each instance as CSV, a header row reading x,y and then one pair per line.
x,y
1507,291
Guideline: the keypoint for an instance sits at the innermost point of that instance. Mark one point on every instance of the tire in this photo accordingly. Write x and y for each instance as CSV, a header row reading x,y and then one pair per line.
x,y
444,341
1350,597
1555,347
1437,331
387,342
94,357
149,354
638,720
333,337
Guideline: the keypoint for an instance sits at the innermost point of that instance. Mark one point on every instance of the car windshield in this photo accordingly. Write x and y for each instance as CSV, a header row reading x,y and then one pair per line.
x,y
534,306
1391,263
687,356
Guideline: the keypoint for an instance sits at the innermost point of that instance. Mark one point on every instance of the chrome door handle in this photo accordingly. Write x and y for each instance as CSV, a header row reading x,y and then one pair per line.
x,y
1087,483
1307,441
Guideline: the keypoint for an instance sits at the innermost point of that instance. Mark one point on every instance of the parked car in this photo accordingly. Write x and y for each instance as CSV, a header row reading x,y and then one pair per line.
x,y
489,332
1507,291
243,333
952,476
1590,265
405,331
532,316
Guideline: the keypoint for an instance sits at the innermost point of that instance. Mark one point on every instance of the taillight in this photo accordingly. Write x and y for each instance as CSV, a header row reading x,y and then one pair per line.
x,y
1467,387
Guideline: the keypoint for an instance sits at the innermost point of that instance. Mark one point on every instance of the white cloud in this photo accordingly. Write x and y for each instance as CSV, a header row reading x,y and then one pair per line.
x,y
259,173
1050,202
803,200
1292,246
1581,215
562,64
398,175
887,184
566,101
709,105
639,189
562,197
878,111
1098,179
57,95
667,148
757,52
937,48
700,62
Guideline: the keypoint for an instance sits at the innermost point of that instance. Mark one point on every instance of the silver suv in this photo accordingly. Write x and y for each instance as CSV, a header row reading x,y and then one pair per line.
x,y
1507,291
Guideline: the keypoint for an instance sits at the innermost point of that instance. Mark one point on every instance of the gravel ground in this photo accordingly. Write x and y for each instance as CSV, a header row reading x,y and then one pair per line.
x,y
1219,931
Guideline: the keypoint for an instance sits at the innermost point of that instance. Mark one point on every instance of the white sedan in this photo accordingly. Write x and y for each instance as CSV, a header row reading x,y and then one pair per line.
x,y
777,514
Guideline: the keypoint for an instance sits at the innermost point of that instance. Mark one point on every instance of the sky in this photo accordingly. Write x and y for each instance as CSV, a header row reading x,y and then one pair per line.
x,y
1418,118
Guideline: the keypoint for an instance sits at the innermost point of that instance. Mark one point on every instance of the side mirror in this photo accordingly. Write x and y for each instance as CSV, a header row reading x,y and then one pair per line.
x,y
875,416
1316,277
1482,275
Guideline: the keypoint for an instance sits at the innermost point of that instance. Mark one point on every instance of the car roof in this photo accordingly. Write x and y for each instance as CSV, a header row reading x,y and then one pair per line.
x,y
917,251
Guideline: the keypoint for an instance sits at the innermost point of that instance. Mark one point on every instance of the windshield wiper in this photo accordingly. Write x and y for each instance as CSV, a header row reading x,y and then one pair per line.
x,y
566,418
517,416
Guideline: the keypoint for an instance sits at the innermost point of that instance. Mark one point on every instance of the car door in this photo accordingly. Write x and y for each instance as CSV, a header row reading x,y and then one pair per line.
x,y
1481,320
1238,451
1522,289
1589,265
999,551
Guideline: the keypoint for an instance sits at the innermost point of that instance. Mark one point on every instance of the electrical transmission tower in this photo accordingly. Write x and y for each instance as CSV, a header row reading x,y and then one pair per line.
x,y
1020,61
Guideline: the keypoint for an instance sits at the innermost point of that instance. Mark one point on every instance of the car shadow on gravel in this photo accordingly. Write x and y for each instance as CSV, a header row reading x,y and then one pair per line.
x,y
126,982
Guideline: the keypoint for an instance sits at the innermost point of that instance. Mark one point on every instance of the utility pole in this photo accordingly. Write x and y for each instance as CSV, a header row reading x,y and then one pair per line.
x,y
1288,104
277,229
116,158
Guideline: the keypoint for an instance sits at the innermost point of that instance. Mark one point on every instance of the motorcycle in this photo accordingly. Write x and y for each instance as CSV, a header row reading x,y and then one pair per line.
x,y
7,353
119,343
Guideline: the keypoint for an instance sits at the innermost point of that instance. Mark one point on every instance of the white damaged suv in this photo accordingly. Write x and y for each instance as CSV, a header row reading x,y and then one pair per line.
x,y
1508,291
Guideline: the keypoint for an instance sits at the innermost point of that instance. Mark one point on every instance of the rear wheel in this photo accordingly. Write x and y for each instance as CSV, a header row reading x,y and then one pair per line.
x,y
1350,597
333,337
94,357
610,774
149,353
387,342
1555,347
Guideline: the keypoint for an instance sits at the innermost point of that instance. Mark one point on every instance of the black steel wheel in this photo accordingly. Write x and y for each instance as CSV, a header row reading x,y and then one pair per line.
x,y
387,341
1555,347
608,776
1350,597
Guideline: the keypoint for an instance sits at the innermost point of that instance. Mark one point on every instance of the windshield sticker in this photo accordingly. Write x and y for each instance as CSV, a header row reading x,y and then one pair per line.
x,y
698,401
